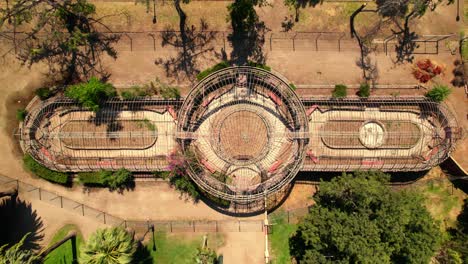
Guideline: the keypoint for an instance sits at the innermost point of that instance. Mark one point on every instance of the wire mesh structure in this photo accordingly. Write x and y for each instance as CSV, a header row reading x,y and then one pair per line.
x,y
378,133
245,133
134,134
242,134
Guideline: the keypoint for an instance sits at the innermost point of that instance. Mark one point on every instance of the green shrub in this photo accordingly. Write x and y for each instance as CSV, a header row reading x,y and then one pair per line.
x,y
292,86
21,114
258,65
133,92
112,180
439,93
43,93
340,91
169,92
217,67
364,90
185,185
118,179
95,178
91,94
43,172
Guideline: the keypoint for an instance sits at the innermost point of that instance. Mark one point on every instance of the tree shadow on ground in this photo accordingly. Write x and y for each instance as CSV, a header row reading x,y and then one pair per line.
x,y
249,45
248,33
192,43
18,219
108,115
395,177
143,255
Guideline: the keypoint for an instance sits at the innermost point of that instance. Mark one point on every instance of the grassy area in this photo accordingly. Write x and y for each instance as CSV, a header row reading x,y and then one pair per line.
x,y
441,203
63,254
279,238
180,249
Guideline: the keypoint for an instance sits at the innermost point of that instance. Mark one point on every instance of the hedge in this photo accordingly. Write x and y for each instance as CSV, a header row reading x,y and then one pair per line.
x,y
35,167
113,180
95,178
217,67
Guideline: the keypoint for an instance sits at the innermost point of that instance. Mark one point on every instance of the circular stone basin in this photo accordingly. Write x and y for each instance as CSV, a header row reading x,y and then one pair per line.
x,y
243,136
372,135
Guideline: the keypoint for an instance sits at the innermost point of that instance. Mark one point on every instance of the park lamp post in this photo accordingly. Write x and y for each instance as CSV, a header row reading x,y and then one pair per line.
x,y
154,12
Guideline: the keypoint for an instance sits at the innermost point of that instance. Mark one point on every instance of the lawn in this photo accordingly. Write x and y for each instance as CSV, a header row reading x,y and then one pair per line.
x,y
171,248
63,254
443,202
279,238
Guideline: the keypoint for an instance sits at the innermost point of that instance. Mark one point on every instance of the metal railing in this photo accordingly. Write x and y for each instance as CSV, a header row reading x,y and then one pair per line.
x,y
31,192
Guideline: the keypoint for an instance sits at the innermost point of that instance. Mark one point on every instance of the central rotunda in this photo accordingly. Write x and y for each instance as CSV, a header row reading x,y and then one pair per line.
x,y
247,132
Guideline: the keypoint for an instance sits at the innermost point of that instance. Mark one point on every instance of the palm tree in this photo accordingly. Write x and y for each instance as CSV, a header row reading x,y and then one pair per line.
x,y
110,245
17,255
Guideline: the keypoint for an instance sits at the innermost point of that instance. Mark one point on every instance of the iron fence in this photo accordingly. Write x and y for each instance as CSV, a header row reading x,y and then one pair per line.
x,y
31,192
311,41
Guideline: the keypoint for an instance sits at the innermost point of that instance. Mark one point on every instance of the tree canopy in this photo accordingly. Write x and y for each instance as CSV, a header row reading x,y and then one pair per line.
x,y
358,219
91,94
110,245
65,34
17,254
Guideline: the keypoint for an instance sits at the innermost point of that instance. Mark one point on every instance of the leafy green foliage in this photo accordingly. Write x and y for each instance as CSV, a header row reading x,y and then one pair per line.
x,y
43,93
439,93
111,246
292,86
113,180
91,94
17,255
357,218
38,169
95,178
258,65
217,67
164,90
119,179
205,255
133,92
340,91
21,114
170,92
364,90
459,241
185,185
